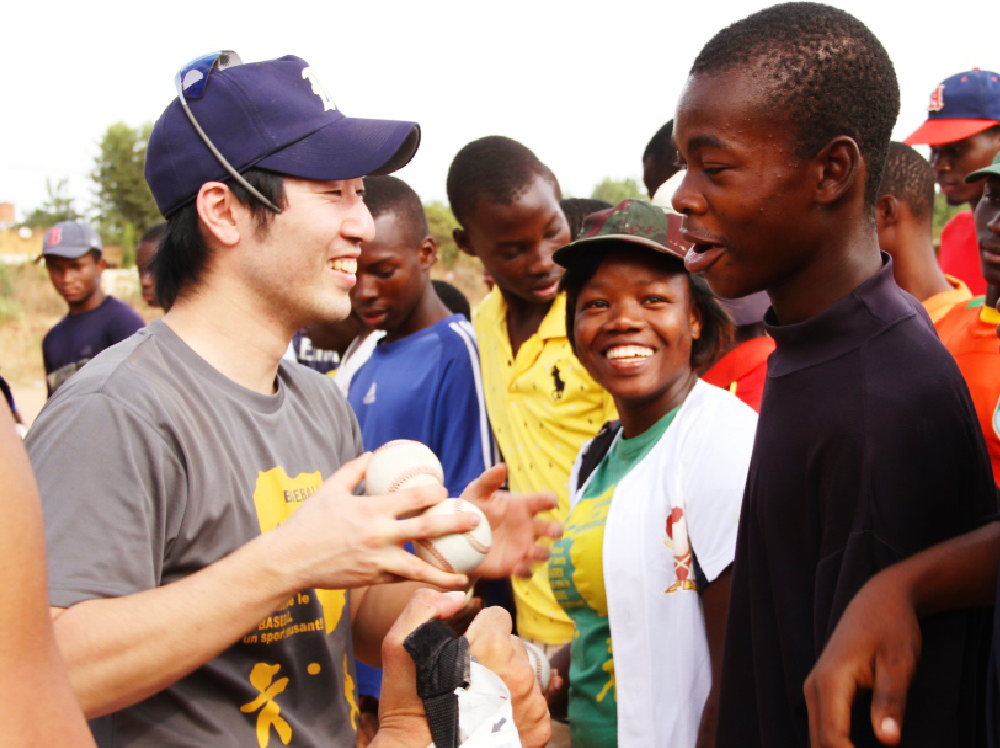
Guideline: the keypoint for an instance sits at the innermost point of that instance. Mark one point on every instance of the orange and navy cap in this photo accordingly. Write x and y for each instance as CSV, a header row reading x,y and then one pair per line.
x,y
960,106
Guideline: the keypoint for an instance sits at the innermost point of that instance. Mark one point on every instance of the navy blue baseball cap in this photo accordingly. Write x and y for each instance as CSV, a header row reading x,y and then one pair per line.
x,y
960,106
272,115
70,239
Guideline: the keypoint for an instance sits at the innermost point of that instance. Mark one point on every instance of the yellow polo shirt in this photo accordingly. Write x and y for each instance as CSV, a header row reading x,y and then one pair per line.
x,y
543,406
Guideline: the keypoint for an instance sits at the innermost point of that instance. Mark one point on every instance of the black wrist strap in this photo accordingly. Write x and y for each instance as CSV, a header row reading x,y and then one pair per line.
x,y
442,664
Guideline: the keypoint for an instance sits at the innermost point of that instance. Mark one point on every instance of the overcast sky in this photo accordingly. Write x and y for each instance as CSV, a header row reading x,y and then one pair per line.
x,y
584,84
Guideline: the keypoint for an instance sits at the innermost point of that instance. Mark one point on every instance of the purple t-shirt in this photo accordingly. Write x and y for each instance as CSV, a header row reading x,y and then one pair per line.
x,y
77,338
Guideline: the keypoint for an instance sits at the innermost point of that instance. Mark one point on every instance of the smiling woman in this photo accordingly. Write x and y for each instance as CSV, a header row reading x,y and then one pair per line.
x,y
651,533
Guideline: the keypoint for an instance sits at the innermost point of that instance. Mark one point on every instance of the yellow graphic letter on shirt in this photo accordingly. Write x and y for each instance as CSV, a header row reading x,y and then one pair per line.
x,y
276,498
261,678
351,694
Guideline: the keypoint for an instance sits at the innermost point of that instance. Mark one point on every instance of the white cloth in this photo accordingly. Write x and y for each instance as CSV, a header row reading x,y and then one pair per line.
x,y
359,351
695,473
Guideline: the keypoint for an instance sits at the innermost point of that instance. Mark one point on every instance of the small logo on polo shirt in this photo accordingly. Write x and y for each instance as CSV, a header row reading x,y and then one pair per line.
x,y
369,397
558,383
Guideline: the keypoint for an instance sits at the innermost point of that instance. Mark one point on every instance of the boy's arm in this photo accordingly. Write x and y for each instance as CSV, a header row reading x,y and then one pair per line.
x,y
877,642
716,604
38,706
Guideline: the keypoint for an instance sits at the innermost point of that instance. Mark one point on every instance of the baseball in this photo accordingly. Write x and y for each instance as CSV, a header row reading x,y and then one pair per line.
x,y
539,663
459,553
400,464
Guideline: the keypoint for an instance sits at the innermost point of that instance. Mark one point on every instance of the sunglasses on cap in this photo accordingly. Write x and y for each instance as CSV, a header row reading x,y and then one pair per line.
x,y
190,82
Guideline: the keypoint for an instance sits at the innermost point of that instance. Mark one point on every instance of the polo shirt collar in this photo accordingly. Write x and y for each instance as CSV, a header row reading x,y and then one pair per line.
x,y
840,328
554,323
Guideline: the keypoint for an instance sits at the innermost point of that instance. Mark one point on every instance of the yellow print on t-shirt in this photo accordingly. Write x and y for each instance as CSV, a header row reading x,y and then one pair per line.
x,y
276,498
585,533
262,678
609,668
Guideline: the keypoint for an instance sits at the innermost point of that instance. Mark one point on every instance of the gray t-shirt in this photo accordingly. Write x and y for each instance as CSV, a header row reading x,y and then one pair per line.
x,y
152,465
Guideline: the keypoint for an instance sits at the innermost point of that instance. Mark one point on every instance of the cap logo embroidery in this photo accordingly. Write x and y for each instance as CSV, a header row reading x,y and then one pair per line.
x,y
55,235
937,99
318,89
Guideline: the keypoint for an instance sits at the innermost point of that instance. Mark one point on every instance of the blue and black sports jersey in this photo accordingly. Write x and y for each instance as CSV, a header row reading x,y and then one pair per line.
x,y
427,387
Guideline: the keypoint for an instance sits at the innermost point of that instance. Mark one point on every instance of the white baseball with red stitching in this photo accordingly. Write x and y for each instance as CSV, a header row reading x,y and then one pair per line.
x,y
400,464
462,552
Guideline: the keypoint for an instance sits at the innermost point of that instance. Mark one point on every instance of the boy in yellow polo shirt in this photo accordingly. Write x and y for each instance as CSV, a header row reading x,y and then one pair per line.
x,y
542,403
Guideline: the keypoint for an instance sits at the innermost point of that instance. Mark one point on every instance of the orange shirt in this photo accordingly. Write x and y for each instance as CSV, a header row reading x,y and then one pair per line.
x,y
940,304
743,370
969,331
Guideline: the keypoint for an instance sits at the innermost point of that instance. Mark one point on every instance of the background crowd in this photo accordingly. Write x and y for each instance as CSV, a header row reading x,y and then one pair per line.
x,y
723,412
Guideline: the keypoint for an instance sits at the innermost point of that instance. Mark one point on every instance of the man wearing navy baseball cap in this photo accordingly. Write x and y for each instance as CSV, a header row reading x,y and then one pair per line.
x,y
963,131
199,550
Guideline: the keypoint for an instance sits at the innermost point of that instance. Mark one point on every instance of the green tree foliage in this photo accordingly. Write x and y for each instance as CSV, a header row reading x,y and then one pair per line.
x,y
440,223
56,208
943,213
616,190
125,204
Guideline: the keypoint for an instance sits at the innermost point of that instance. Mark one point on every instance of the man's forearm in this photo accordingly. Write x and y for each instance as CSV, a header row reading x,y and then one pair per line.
x,y
958,573
122,650
373,612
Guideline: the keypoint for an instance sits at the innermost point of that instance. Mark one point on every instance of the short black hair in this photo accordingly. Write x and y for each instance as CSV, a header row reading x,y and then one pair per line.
x,y
154,233
493,168
910,179
717,328
453,298
576,210
661,153
828,73
385,194
180,260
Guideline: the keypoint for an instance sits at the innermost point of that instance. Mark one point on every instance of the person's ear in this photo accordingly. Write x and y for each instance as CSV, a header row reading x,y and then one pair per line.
x,y
694,320
887,211
220,212
840,168
427,252
102,263
461,237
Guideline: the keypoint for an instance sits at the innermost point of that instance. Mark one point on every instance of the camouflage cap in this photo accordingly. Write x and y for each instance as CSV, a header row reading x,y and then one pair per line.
x,y
635,221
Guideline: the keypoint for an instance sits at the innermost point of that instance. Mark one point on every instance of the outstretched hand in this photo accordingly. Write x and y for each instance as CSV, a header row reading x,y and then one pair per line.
x,y
514,547
875,646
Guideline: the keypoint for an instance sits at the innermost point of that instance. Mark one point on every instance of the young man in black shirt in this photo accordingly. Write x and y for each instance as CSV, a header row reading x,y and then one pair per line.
x,y
867,449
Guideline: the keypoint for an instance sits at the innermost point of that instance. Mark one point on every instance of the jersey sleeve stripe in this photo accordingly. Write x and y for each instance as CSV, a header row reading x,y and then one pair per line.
x,y
465,331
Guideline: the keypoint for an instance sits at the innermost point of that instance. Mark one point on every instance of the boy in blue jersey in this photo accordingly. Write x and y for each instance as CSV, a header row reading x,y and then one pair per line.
x,y
422,381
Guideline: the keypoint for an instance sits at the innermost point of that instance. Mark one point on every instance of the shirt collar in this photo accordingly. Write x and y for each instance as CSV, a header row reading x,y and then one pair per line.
x,y
842,327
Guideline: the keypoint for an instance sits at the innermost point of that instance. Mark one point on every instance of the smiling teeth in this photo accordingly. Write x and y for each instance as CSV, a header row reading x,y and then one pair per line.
x,y
629,351
345,265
